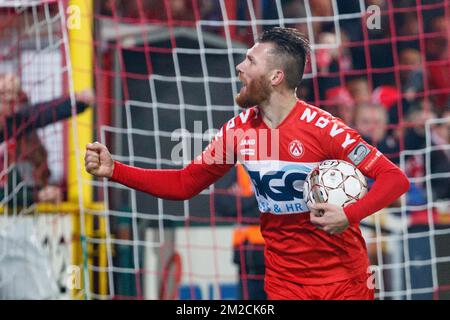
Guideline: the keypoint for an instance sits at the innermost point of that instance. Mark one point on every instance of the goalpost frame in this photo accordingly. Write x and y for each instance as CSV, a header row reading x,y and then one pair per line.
x,y
81,57
80,37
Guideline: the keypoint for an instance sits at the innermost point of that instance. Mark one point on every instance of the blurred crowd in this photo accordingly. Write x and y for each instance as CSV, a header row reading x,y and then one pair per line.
x,y
27,153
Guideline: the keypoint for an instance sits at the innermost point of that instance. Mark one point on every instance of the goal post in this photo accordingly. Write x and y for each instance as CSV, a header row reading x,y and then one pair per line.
x,y
80,40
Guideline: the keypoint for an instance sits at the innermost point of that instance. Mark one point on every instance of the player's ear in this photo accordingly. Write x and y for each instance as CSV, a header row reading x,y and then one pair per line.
x,y
277,77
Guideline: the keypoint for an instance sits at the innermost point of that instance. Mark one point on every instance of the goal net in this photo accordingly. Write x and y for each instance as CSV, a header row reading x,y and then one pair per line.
x,y
171,79
165,81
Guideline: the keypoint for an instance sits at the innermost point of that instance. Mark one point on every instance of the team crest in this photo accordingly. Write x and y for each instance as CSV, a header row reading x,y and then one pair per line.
x,y
296,148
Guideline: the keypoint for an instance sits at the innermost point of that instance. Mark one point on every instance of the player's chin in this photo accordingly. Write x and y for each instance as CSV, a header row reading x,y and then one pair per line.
x,y
242,101
241,94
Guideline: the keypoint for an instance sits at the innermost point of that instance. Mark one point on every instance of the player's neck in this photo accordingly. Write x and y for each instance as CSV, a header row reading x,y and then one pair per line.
x,y
277,108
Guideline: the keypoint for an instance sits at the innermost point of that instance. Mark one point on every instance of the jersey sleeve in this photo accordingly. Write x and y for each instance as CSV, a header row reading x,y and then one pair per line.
x,y
184,183
219,156
344,143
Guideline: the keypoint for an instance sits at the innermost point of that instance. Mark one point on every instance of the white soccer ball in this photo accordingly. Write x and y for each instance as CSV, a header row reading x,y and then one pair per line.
x,y
334,181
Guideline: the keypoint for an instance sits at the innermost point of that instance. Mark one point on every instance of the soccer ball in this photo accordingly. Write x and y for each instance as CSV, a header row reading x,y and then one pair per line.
x,y
334,181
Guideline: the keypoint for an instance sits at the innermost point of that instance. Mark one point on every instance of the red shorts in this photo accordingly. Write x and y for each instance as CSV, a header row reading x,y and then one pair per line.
x,y
357,288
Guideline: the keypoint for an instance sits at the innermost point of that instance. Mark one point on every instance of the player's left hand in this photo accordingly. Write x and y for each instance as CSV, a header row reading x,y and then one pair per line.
x,y
328,217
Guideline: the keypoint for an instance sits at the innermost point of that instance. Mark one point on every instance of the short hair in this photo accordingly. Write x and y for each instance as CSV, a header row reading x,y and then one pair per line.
x,y
292,47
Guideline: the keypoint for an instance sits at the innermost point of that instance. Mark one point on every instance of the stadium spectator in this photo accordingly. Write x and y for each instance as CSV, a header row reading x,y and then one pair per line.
x,y
386,95
332,60
27,153
23,148
359,90
340,104
438,66
372,122
210,10
327,61
25,273
411,75
412,86
417,117
407,24
321,8
175,10
294,10
440,158
415,139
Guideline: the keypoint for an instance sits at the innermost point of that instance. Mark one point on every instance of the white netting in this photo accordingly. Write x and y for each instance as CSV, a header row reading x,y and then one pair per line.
x,y
176,72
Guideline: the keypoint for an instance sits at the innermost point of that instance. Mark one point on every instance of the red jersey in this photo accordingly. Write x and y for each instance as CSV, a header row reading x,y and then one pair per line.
x,y
278,161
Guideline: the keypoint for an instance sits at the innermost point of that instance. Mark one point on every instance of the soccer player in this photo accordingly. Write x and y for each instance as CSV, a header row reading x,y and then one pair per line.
x,y
308,255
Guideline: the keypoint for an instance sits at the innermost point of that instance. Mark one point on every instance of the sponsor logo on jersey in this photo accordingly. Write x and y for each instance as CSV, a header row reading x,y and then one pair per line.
x,y
358,153
296,149
247,152
280,191
247,147
278,185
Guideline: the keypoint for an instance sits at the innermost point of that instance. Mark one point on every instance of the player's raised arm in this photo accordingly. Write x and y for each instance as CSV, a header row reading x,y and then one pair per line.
x,y
174,184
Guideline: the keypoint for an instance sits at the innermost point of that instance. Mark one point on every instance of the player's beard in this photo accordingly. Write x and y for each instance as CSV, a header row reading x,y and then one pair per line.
x,y
254,93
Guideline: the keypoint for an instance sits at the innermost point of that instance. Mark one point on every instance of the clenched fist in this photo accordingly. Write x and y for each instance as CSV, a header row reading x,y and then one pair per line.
x,y
98,160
